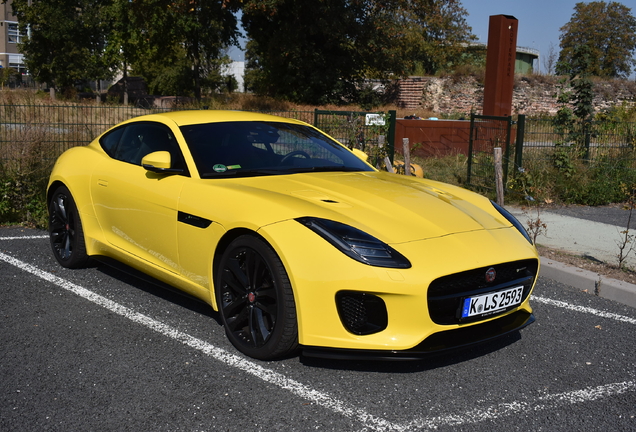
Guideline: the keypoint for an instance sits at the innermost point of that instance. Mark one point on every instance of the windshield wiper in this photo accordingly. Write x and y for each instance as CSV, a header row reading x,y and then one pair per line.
x,y
323,169
243,173
278,171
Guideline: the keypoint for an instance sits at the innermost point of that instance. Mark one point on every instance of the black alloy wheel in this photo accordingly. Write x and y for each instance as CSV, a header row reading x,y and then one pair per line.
x,y
65,230
255,300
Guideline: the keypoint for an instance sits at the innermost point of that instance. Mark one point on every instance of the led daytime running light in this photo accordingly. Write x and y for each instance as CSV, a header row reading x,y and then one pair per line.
x,y
356,244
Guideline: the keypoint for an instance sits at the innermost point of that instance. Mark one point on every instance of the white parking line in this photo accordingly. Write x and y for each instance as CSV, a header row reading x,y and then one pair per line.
x,y
25,237
319,398
369,421
550,401
584,309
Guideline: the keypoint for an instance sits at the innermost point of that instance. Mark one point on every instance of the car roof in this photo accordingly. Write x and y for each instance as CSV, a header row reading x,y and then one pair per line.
x,y
182,118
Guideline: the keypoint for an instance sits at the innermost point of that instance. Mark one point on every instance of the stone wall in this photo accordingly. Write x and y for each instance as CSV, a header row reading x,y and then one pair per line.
x,y
533,95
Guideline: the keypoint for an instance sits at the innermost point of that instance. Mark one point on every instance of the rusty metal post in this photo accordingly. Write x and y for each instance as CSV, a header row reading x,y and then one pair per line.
x,y
500,65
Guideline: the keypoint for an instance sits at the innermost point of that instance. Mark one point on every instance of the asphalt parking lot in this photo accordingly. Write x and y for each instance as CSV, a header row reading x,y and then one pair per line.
x,y
97,349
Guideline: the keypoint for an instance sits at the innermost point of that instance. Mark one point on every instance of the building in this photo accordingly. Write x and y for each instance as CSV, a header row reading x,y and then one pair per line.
x,y
10,37
527,60
237,70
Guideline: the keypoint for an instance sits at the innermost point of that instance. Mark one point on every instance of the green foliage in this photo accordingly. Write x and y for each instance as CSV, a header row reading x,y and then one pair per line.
x,y
67,40
575,181
573,125
177,46
449,169
319,59
608,30
8,75
435,34
23,181
180,45
582,87
625,112
597,184
22,200
564,161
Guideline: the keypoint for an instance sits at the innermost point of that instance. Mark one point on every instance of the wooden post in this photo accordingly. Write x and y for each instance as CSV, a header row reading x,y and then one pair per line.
x,y
389,167
381,140
407,156
499,176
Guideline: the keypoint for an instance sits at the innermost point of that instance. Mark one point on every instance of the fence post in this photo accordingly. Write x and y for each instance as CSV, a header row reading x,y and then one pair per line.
x,y
470,148
499,176
381,140
391,137
389,167
587,137
407,156
521,130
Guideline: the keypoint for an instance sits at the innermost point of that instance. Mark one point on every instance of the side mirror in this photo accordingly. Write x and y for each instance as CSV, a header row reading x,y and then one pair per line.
x,y
159,162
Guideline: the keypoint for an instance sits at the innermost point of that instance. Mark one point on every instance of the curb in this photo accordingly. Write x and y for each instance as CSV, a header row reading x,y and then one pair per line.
x,y
589,281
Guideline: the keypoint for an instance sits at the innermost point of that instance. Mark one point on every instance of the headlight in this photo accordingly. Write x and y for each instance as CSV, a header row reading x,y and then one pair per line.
x,y
513,220
356,244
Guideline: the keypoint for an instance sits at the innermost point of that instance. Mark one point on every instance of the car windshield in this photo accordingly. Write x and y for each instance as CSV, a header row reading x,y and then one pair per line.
x,y
265,148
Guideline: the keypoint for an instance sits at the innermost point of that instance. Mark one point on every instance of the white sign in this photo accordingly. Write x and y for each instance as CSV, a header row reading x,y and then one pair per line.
x,y
374,120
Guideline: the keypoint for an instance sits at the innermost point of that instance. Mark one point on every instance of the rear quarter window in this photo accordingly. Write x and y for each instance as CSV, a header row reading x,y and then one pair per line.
x,y
110,140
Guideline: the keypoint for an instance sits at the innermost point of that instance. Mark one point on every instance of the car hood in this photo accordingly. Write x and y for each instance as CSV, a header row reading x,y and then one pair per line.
x,y
393,208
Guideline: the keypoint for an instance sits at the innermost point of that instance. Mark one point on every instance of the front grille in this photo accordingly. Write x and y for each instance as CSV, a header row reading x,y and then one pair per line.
x,y
445,294
361,313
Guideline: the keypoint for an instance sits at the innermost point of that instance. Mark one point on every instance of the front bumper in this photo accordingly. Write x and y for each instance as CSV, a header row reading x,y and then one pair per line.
x,y
438,343
319,272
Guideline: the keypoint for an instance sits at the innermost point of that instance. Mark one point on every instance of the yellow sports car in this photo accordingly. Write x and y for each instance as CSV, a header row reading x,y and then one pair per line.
x,y
294,239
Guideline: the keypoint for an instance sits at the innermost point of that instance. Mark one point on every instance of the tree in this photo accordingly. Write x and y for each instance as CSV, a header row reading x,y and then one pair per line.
x,y
321,51
66,41
550,60
436,32
176,45
309,51
609,32
574,124
204,28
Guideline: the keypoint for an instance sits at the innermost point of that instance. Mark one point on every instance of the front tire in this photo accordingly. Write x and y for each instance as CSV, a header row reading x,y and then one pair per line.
x,y
65,230
255,300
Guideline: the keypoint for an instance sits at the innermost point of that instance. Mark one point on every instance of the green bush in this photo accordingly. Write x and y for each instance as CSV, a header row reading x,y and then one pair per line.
x,y
23,200
24,174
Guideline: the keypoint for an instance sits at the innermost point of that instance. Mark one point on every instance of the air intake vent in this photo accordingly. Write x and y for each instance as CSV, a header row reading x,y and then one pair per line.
x,y
361,313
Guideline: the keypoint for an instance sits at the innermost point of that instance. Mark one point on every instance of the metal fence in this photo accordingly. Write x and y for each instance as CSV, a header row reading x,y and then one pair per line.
x,y
594,141
487,133
530,143
48,130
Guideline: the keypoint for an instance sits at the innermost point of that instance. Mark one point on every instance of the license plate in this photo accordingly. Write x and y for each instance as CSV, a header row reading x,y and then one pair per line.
x,y
490,303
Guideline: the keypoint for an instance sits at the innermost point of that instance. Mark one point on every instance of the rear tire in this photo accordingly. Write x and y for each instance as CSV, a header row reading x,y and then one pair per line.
x,y
255,300
65,230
